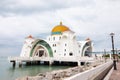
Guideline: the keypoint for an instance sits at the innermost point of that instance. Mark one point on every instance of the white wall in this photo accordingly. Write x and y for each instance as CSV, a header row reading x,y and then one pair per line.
x,y
25,52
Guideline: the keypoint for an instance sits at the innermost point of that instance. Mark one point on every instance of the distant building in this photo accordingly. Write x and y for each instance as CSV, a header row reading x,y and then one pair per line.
x,y
61,43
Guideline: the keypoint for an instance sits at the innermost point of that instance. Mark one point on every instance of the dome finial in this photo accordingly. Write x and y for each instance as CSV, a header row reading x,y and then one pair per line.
x,y
60,22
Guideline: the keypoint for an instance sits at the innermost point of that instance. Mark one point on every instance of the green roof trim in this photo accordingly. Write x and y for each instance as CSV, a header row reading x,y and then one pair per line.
x,y
56,33
43,43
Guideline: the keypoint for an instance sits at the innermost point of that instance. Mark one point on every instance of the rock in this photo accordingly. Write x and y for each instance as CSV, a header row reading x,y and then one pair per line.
x,y
58,74
48,76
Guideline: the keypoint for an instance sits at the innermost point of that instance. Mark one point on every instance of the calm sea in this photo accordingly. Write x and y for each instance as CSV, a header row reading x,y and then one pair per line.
x,y
7,72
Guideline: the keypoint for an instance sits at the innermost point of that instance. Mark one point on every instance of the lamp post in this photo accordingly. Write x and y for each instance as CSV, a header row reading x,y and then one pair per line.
x,y
117,54
105,55
114,61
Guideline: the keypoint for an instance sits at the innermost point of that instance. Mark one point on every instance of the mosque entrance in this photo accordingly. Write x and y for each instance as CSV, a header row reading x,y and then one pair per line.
x,y
40,52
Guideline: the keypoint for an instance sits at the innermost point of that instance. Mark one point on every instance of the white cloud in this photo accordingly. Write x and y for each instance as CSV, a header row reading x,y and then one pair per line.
x,y
88,18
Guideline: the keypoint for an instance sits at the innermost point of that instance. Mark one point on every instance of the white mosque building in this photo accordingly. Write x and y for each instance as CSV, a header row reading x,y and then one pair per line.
x,y
60,47
62,43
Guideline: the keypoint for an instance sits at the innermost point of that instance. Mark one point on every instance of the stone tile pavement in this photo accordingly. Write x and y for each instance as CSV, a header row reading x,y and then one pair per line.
x,y
116,73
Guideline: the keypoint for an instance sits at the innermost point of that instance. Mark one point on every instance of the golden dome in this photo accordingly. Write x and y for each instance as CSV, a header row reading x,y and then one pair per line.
x,y
59,29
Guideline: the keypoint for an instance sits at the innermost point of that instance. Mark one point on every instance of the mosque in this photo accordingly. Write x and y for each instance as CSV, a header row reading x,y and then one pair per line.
x,y
62,43
60,47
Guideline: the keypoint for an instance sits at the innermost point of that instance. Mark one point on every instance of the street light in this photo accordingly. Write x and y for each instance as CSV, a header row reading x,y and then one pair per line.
x,y
105,55
114,61
117,54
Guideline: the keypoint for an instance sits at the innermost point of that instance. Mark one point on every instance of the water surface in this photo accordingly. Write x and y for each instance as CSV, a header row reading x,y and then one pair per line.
x,y
7,72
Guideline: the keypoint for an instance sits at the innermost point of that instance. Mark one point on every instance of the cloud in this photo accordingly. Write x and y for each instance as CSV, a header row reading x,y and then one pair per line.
x,y
27,7
88,18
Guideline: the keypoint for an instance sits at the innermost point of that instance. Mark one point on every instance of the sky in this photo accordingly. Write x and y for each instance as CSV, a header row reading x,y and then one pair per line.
x,y
95,19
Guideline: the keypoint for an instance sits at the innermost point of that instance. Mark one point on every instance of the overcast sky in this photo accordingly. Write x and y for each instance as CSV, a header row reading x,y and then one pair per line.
x,y
95,19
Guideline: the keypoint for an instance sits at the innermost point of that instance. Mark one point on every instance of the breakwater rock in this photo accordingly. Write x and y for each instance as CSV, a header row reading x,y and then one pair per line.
x,y
57,74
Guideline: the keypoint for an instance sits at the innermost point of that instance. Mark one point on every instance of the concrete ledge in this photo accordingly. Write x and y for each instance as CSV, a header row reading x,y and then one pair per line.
x,y
91,74
109,74
103,74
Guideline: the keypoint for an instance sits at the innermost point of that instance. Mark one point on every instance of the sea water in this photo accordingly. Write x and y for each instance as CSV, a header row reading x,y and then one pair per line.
x,y
7,72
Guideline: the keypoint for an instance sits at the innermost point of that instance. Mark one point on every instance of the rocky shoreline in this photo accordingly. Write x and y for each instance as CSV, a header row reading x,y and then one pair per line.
x,y
59,74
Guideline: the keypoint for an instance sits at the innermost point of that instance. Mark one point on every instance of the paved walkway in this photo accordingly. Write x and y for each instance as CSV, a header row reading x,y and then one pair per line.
x,y
116,73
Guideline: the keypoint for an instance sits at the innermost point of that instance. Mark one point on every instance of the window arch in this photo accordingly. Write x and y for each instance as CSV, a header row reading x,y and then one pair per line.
x,y
64,37
59,37
71,54
74,37
65,50
53,45
49,39
54,51
65,44
53,38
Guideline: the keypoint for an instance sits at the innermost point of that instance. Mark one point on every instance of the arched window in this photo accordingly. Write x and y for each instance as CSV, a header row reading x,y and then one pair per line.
x,y
59,38
74,37
65,44
49,39
31,42
53,38
65,50
64,54
53,45
71,54
54,51
64,37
